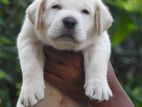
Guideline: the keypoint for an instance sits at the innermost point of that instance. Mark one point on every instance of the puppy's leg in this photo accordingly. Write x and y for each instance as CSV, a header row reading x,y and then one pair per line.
x,y
19,104
96,59
31,60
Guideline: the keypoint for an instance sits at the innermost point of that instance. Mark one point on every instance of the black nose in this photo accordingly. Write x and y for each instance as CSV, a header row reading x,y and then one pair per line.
x,y
69,22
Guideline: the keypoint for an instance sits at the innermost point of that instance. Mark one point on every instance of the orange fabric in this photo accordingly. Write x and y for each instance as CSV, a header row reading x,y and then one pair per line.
x,y
65,70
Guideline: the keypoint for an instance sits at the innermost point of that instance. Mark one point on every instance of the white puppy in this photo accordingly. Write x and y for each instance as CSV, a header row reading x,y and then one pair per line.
x,y
78,25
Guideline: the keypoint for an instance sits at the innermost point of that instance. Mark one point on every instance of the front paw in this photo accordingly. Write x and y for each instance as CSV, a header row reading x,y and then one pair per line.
x,y
31,94
98,90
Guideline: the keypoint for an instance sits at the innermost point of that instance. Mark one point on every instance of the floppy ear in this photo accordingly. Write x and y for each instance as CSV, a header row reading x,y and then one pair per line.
x,y
35,12
103,18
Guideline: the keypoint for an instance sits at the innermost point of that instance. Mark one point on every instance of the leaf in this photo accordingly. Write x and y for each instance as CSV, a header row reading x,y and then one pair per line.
x,y
136,97
6,2
2,74
4,40
127,5
123,28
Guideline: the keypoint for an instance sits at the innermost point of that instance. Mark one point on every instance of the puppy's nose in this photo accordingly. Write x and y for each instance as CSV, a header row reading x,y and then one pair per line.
x,y
69,22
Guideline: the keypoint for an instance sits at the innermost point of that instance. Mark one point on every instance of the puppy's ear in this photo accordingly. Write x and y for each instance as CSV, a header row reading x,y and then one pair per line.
x,y
103,18
35,12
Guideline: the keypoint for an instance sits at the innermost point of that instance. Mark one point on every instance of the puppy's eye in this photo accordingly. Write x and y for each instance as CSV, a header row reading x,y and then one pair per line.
x,y
56,7
85,11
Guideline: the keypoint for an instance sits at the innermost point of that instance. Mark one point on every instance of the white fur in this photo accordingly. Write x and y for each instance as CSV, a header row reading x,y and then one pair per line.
x,y
96,62
91,38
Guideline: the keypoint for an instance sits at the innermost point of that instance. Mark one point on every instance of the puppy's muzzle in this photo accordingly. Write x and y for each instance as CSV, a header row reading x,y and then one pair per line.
x,y
69,23
69,29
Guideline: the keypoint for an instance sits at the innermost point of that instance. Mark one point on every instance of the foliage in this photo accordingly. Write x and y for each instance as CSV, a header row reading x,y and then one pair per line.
x,y
11,16
126,42
127,47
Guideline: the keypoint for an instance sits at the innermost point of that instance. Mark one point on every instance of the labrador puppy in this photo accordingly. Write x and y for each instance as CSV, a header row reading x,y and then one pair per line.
x,y
77,25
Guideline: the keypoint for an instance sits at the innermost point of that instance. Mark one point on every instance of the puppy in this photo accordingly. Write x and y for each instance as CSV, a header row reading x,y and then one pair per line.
x,y
77,25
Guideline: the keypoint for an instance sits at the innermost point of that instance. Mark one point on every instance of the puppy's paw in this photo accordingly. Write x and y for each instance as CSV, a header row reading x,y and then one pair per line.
x,y
31,94
98,90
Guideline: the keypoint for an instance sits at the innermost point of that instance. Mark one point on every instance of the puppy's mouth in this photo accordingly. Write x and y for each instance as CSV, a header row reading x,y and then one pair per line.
x,y
68,37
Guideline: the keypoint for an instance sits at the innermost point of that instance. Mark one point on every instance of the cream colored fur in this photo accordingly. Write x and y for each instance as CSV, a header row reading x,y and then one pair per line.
x,y
43,25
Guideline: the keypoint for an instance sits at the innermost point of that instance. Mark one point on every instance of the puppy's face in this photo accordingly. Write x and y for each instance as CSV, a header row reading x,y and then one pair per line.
x,y
68,21
66,24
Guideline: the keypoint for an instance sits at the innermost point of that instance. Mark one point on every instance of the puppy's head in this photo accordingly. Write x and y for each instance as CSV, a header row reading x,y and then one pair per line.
x,y
66,24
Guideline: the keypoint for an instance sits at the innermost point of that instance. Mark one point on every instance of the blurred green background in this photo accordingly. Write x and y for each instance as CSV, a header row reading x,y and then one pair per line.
x,y
126,36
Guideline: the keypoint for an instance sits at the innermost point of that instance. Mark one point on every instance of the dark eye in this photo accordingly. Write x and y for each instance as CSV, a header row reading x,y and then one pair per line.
x,y
85,11
56,6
